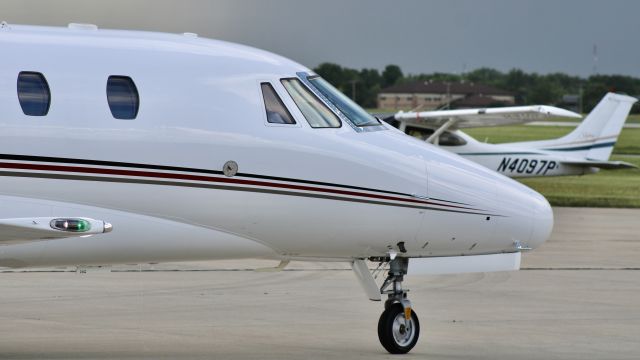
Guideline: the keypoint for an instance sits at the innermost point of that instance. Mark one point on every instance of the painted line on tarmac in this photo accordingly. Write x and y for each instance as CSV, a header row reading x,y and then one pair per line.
x,y
267,270
292,270
582,268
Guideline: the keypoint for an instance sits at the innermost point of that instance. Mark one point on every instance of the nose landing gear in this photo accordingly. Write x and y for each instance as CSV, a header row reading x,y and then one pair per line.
x,y
398,327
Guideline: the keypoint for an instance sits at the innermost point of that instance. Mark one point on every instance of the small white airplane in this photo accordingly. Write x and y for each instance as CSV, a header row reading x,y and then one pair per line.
x,y
137,147
583,151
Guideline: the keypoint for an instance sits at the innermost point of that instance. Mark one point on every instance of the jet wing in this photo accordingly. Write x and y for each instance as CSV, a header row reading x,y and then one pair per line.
x,y
24,230
470,118
600,164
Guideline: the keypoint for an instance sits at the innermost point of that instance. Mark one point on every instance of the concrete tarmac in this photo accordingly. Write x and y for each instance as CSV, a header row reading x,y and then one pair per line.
x,y
577,297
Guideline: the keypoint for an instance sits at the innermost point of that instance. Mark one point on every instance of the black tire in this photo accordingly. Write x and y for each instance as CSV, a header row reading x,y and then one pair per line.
x,y
391,318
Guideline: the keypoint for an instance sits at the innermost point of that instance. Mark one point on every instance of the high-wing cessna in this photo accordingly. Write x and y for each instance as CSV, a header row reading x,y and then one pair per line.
x,y
135,147
583,151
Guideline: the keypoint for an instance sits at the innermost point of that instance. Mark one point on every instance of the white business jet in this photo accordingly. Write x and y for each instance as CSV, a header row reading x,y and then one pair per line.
x,y
135,147
583,151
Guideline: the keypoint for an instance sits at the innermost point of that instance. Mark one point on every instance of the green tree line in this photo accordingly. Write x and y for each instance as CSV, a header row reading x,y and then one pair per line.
x,y
528,88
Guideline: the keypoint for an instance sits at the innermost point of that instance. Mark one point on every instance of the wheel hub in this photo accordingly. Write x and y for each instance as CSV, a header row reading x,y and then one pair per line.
x,y
403,334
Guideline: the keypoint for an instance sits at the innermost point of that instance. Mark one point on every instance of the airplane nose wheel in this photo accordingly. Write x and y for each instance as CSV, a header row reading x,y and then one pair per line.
x,y
397,334
398,327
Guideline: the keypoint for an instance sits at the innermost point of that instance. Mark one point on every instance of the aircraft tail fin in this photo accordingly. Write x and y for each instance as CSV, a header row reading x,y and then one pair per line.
x,y
596,135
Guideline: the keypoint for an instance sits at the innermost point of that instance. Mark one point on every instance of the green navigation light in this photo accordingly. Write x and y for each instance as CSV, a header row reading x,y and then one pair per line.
x,y
71,225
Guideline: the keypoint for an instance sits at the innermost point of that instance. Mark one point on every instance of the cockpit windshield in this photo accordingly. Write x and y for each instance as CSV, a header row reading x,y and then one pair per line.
x,y
350,109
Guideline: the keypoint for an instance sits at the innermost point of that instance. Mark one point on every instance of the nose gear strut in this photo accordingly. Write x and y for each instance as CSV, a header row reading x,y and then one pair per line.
x,y
398,327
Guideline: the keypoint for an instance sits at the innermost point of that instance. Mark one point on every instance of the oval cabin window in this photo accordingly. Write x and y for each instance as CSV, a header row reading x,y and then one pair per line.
x,y
33,93
122,96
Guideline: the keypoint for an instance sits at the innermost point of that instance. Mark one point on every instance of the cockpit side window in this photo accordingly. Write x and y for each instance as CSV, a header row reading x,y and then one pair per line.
x,y
317,113
277,113
447,138
450,139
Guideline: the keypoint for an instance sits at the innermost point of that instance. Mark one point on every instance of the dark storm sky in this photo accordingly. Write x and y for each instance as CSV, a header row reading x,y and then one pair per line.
x,y
420,36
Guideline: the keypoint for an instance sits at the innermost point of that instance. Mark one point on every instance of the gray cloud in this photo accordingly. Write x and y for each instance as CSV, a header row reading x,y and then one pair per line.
x,y
420,36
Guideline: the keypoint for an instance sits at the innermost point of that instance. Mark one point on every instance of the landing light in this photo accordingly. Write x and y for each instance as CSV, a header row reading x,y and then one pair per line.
x,y
70,225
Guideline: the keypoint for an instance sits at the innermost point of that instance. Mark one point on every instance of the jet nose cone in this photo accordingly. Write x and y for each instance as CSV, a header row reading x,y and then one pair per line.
x,y
542,221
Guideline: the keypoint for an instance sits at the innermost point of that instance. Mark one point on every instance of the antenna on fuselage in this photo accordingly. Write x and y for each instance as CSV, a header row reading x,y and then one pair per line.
x,y
82,26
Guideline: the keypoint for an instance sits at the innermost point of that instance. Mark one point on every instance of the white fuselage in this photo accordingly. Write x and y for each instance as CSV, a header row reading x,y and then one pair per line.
x,y
525,159
299,192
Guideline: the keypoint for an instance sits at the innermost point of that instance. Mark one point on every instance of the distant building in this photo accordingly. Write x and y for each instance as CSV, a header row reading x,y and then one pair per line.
x,y
570,102
426,95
